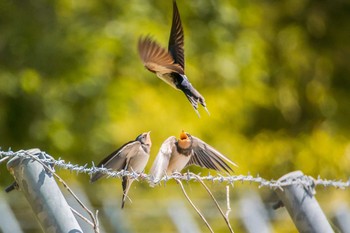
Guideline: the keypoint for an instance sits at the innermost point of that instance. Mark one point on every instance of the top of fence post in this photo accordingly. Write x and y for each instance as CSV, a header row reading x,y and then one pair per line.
x,y
301,204
43,194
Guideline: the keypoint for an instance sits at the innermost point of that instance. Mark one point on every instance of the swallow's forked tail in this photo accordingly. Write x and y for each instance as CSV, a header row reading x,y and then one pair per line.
x,y
126,183
195,97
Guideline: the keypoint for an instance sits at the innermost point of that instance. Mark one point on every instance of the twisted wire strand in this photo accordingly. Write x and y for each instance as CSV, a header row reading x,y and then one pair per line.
x,y
306,181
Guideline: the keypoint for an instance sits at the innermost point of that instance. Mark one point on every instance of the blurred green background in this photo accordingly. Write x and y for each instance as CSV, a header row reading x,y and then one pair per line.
x,y
275,75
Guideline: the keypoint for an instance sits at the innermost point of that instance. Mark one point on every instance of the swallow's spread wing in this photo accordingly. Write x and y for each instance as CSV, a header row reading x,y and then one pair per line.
x,y
206,156
176,40
118,159
155,58
161,162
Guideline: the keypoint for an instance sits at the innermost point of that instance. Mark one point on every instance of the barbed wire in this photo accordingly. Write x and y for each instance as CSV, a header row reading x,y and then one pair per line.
x,y
304,180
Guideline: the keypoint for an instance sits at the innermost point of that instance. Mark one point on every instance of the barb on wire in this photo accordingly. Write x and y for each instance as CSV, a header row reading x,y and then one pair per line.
x,y
272,184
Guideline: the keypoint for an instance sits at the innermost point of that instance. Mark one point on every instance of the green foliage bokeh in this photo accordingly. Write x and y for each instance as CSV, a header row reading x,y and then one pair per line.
x,y
275,75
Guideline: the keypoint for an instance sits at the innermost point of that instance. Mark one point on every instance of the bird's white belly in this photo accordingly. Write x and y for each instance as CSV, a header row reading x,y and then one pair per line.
x,y
177,163
138,162
167,78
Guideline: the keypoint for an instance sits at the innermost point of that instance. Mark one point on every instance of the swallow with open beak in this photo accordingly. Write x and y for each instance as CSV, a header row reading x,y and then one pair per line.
x,y
170,65
174,155
132,156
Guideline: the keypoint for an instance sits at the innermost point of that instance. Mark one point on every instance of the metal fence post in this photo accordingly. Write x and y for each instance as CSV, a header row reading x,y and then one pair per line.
x,y
302,206
342,218
8,221
182,218
252,210
43,194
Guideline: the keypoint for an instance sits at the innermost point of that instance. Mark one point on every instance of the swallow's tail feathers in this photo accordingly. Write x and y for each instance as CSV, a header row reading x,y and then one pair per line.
x,y
207,110
126,183
96,176
193,95
193,103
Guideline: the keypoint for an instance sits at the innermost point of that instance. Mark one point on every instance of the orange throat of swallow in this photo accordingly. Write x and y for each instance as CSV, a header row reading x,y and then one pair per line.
x,y
183,135
185,141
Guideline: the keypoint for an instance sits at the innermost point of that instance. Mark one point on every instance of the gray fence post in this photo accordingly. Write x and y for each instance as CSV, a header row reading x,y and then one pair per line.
x,y
79,191
182,218
252,210
302,206
43,194
116,218
8,221
342,218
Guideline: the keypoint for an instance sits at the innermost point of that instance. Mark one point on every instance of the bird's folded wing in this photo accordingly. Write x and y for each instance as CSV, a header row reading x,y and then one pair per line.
x,y
155,58
176,39
161,162
206,156
117,159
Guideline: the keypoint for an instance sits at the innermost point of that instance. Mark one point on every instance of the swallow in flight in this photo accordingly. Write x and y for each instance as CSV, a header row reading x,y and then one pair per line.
x,y
132,156
170,65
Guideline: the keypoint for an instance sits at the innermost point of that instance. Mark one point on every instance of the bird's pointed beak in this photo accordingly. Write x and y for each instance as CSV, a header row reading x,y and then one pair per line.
x,y
183,135
148,138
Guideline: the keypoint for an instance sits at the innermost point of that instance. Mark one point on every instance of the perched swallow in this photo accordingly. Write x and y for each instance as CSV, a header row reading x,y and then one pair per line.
x,y
174,155
170,65
132,156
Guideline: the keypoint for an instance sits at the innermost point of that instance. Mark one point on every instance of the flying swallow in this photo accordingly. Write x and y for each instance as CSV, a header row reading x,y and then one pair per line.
x,y
132,156
170,65
174,155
